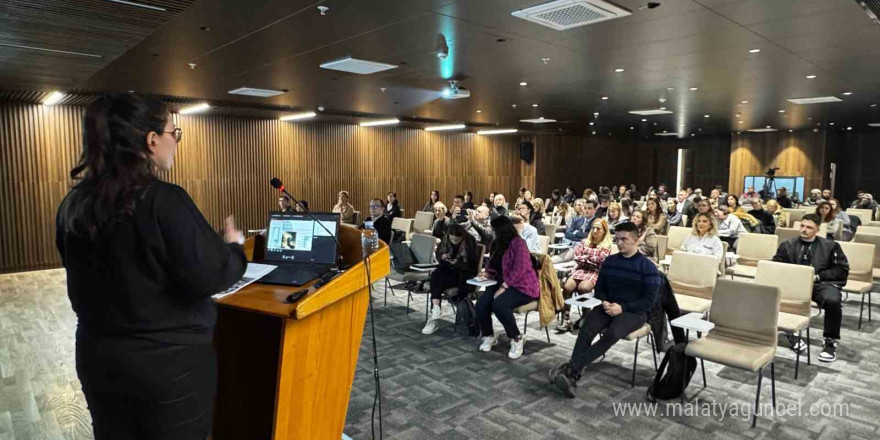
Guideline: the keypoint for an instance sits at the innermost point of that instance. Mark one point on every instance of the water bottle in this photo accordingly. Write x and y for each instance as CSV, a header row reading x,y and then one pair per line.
x,y
369,239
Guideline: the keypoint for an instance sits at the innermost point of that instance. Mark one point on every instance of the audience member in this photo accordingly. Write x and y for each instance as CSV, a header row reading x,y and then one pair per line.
x,y
510,264
522,193
814,199
589,255
528,232
487,202
866,201
747,220
766,221
602,210
527,196
831,271
780,216
698,193
538,205
532,216
647,240
729,226
828,215
392,210
656,219
627,284
434,198
701,205
626,207
848,230
344,208
457,214
826,194
714,197
468,201
569,196
284,203
703,239
581,225
302,206
615,216
381,223
621,193
498,210
441,220
562,217
673,216
589,194
749,197
783,199
479,223
553,202
634,192
457,257
684,204
661,192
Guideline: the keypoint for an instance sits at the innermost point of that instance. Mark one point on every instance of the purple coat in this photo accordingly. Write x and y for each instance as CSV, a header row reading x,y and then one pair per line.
x,y
516,265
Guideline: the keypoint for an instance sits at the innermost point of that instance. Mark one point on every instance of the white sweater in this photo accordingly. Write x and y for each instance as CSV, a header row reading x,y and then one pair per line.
x,y
707,245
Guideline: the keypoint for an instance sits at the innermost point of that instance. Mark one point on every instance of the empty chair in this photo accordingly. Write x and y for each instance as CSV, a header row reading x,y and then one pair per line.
x,y
861,267
745,317
751,249
422,247
693,278
787,233
662,243
795,283
404,225
550,231
795,215
423,221
869,229
875,240
357,218
864,214
544,243
677,235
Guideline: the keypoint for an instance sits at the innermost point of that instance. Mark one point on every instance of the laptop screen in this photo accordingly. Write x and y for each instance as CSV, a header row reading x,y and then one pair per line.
x,y
297,237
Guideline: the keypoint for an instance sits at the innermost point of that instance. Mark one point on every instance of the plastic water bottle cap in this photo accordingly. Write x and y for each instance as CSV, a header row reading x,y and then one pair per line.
x,y
368,224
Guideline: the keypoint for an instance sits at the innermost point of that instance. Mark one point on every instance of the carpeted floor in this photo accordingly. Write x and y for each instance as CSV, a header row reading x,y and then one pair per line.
x,y
440,387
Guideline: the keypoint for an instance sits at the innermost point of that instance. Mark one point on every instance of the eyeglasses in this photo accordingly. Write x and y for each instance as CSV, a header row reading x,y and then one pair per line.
x,y
177,133
375,206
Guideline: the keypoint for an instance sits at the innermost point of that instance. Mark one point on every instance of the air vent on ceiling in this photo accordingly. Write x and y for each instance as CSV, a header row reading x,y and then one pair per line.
x,y
567,14
874,124
872,8
260,93
762,130
538,120
650,112
354,65
666,134
816,100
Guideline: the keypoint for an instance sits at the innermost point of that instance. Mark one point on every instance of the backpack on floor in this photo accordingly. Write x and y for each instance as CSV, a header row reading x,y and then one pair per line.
x,y
669,378
466,318
401,257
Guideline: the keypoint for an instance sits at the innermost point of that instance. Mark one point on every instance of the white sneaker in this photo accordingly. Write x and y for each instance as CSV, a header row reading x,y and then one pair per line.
x,y
488,343
433,322
516,347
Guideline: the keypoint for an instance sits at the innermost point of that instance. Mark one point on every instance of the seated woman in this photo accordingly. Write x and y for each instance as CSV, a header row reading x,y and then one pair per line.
x,y
589,255
626,207
647,239
615,216
510,264
538,206
534,217
458,256
344,208
656,219
527,232
381,223
829,216
562,217
780,216
673,217
848,230
441,220
703,239
435,197
735,209
468,201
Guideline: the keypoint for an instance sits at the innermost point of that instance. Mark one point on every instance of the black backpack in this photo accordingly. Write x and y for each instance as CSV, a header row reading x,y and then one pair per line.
x,y
466,317
668,381
401,257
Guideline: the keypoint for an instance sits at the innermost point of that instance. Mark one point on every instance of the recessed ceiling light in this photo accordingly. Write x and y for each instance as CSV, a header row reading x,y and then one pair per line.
x,y
874,124
693,89
740,122
705,116
692,135
445,127
380,122
768,126
479,111
830,123
849,128
665,134
595,113
53,98
523,83
873,105
644,120
633,128
592,123
194,108
754,50
669,89
847,93
541,120
781,111
744,102
618,70
250,91
790,130
354,65
497,131
662,108
534,105
298,116
650,112
604,98
762,130
811,76
815,100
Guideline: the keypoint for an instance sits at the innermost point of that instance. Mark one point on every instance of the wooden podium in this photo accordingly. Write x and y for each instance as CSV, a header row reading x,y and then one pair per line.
x,y
286,370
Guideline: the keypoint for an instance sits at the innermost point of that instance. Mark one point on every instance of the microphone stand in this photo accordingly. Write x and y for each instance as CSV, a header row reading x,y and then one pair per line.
x,y
340,260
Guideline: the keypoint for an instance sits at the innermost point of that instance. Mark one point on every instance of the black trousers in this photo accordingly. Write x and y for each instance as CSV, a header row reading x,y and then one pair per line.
x,y
502,307
613,329
140,389
445,277
828,297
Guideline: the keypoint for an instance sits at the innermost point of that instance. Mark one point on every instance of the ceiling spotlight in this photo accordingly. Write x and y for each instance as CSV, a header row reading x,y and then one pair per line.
x,y
740,122
693,89
644,120
811,76
321,108
692,135
705,116
830,123
192,66
873,105
781,111
479,111
662,108
595,113
790,130
592,123
323,10
534,105
754,50
739,115
632,128
545,60
53,98
768,126
513,105
604,98
523,83
298,116
669,89
618,70
744,102
194,108
847,93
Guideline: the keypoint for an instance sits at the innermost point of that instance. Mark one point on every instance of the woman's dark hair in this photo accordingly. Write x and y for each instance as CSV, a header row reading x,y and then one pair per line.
x,y
529,205
656,213
726,202
832,213
504,234
434,191
392,193
488,202
115,165
469,196
556,194
456,230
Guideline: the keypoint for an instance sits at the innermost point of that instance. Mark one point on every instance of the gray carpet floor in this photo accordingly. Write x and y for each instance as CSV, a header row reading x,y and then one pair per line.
x,y
441,387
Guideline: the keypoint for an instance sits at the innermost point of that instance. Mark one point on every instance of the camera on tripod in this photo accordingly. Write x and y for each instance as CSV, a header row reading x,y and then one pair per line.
x,y
771,172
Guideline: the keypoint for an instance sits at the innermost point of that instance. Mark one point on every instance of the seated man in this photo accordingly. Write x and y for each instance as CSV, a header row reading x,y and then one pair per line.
x,y
628,283
581,225
380,223
783,199
479,226
766,221
831,268
729,226
527,232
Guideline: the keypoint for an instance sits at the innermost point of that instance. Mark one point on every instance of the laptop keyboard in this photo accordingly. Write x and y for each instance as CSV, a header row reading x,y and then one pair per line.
x,y
302,273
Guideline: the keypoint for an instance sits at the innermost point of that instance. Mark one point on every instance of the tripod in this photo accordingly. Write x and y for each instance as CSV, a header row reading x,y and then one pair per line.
x,y
770,184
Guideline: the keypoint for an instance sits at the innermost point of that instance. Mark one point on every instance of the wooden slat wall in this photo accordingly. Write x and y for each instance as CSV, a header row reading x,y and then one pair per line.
x,y
225,163
796,154
584,162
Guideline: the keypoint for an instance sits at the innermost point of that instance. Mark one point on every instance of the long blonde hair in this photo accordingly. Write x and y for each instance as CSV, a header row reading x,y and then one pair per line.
x,y
605,243
713,225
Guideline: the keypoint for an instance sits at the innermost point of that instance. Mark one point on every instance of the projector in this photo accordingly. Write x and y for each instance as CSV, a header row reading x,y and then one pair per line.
x,y
456,91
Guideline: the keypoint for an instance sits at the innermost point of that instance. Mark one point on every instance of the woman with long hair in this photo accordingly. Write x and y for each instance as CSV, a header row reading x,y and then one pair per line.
x,y
510,264
457,257
435,197
656,219
468,201
747,219
848,231
142,263
703,238
615,216
828,215
538,204
562,217
344,208
589,254
647,239
626,207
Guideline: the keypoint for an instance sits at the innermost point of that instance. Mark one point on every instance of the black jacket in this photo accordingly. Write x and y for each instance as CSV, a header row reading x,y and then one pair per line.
x,y
150,275
768,224
827,258
382,225
393,210
784,201
497,211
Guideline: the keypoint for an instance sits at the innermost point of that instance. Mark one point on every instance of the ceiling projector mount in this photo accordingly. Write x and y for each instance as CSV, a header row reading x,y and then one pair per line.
x,y
455,91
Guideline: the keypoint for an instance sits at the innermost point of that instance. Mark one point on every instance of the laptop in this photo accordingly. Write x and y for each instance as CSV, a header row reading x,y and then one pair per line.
x,y
300,247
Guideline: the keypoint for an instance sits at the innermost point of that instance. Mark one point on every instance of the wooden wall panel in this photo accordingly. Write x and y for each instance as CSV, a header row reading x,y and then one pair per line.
x,y
796,154
584,162
225,164
858,162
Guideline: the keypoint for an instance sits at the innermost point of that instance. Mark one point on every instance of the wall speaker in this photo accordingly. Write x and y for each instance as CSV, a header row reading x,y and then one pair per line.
x,y
527,151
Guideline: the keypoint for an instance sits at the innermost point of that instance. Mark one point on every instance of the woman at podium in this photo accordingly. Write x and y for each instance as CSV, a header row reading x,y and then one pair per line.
x,y
142,264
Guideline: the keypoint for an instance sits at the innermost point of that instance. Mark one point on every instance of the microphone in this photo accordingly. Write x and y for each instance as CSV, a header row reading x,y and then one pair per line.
x,y
276,183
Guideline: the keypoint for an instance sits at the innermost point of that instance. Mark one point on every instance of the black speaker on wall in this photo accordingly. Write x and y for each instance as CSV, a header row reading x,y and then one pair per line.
x,y
527,152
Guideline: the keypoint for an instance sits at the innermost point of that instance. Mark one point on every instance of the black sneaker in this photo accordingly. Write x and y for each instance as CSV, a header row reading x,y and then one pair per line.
x,y
829,353
565,379
797,344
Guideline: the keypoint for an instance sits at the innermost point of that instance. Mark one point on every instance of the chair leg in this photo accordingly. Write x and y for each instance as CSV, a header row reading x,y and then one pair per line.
x,y
408,297
547,331
861,311
809,361
869,306
387,283
797,358
427,306
635,362
703,370
526,324
684,382
773,383
653,349
757,398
